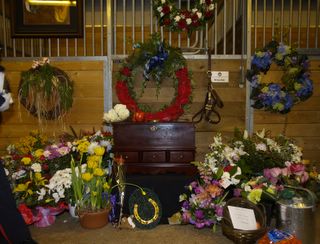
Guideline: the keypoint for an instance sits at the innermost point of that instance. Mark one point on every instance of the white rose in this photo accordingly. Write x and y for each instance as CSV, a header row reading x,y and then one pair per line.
x,y
177,18
123,114
189,21
211,6
119,107
159,9
36,167
194,10
199,15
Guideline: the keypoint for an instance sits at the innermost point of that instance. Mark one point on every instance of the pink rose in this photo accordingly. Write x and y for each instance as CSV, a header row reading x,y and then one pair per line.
x,y
297,169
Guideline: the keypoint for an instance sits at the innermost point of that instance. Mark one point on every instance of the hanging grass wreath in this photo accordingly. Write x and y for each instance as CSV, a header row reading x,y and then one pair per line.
x,y
176,19
296,83
158,61
45,91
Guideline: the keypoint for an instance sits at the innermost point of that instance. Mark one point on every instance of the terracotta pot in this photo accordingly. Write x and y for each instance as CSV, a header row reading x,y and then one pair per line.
x,y
94,220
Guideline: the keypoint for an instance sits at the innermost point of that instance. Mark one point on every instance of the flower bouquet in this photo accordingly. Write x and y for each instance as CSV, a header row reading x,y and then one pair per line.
x,y
91,175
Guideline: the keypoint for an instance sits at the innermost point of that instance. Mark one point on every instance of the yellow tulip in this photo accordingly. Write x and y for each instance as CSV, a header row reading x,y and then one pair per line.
x,y
92,164
99,151
26,160
98,172
38,153
87,176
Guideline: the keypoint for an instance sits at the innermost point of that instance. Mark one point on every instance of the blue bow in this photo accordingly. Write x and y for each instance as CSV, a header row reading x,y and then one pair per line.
x,y
155,61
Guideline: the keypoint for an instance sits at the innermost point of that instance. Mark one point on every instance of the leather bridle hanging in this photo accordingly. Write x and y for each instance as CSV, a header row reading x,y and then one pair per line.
x,y
212,101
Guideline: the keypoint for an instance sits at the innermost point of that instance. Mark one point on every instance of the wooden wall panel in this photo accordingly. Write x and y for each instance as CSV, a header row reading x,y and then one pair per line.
x,y
85,114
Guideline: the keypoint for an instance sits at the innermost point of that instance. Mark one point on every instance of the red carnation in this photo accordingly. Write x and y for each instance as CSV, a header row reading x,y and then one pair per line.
x,y
228,168
182,24
208,14
167,21
126,71
165,9
208,2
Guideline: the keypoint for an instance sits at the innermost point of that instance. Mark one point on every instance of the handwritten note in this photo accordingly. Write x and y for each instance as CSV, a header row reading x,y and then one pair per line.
x,y
242,218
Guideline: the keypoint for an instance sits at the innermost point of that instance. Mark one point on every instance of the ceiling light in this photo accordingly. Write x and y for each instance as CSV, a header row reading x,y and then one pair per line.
x,y
53,2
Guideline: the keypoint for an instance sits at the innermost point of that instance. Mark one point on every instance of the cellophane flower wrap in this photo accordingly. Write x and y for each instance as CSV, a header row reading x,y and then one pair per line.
x,y
92,172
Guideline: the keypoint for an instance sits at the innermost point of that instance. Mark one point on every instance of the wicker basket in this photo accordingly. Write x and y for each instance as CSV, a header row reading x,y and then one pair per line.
x,y
243,236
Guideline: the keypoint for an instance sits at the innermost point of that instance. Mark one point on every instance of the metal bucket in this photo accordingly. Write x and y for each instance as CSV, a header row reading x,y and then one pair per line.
x,y
297,215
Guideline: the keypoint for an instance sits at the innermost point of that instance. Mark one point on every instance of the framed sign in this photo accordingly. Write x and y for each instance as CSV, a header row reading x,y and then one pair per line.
x,y
36,18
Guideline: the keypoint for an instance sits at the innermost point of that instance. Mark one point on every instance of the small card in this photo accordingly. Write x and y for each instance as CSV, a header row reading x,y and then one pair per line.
x,y
242,218
220,76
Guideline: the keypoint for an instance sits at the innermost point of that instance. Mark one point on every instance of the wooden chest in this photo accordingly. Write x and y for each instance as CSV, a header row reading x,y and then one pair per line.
x,y
155,147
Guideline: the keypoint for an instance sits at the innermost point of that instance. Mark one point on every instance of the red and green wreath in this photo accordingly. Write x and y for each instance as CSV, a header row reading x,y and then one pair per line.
x,y
158,61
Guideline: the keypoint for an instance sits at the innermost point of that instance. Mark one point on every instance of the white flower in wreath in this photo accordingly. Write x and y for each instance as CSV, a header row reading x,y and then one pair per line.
x,y
194,10
211,7
177,18
163,1
189,21
36,167
199,15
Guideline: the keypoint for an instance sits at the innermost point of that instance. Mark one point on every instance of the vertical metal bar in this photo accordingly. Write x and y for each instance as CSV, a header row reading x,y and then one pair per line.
x,y
255,22
4,29
188,37
249,109
114,27
290,22
225,27
85,30
133,20
76,47
179,35
23,48
31,46
234,3
93,27
108,78
101,28
14,47
215,28
124,27
299,22
67,47
40,47
58,47
308,23
317,23
142,20
49,47
273,13
264,22
151,17
281,21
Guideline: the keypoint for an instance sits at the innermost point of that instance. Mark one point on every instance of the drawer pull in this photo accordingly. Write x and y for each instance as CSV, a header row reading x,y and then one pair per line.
x,y
153,128
154,156
181,156
126,157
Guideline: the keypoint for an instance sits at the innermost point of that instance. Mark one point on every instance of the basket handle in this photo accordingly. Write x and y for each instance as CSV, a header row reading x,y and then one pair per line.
x,y
310,193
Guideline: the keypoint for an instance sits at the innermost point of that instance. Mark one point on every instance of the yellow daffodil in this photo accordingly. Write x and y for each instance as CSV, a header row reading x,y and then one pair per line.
x,y
91,164
255,195
38,153
87,176
26,160
99,151
106,186
98,172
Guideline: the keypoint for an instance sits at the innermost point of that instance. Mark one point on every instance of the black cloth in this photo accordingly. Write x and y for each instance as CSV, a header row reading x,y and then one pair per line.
x,y
11,220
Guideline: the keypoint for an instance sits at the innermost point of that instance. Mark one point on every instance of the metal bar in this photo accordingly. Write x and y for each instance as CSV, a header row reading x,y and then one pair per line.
x,y
22,48
58,47
108,76
49,47
215,28
101,28
290,22
299,23
84,31
67,47
133,20
308,23
142,20
31,46
249,109
114,27
281,21
40,47
14,47
317,23
4,30
76,47
124,27
233,26
188,37
264,22
92,27
225,27
255,22
273,10
179,35
151,17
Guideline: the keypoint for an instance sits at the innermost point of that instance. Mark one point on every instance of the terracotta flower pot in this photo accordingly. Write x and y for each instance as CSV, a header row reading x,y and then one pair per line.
x,y
94,220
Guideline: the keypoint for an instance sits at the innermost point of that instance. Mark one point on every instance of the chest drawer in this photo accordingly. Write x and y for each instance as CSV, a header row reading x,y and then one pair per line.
x,y
130,157
154,157
181,156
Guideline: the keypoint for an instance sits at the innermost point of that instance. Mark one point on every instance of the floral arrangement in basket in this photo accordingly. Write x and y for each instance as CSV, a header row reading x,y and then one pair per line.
x,y
41,176
255,167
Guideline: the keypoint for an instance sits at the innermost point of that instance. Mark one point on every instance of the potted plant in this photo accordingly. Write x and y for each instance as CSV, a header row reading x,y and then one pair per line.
x,y
91,180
